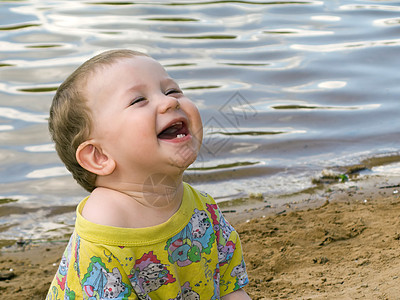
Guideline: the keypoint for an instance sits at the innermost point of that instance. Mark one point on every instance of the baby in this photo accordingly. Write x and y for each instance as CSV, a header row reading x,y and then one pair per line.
x,y
126,132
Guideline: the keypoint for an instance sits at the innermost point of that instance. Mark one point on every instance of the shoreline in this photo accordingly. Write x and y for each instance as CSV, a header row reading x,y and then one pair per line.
x,y
359,188
339,241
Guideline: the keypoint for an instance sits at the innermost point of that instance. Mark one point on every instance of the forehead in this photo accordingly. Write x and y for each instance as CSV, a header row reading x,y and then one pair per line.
x,y
136,70
135,66
123,70
122,74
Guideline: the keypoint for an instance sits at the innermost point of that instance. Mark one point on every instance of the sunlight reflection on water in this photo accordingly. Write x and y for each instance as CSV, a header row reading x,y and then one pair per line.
x,y
285,89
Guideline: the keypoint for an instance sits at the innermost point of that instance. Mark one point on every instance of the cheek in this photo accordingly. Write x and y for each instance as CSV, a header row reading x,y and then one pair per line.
x,y
138,128
130,139
199,135
196,123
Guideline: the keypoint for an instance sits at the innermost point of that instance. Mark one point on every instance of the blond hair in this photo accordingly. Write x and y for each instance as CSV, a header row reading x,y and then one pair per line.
x,y
70,120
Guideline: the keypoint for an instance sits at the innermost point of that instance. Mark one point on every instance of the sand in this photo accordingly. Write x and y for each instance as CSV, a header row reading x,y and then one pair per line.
x,y
337,242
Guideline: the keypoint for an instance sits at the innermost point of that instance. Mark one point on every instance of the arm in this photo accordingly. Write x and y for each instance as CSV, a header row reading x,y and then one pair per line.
x,y
237,295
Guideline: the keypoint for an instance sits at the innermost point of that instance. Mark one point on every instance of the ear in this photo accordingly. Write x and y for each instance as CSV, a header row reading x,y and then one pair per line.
x,y
92,158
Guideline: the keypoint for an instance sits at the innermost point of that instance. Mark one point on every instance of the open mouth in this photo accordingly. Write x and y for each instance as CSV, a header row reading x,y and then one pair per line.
x,y
176,130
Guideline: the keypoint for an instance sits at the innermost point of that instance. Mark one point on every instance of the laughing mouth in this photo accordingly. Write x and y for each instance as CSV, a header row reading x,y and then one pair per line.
x,y
176,130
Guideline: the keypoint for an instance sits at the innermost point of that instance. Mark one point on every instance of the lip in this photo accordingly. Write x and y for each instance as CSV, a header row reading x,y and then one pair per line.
x,y
172,122
182,120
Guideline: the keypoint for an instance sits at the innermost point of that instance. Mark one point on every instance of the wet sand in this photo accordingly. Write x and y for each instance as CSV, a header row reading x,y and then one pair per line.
x,y
338,242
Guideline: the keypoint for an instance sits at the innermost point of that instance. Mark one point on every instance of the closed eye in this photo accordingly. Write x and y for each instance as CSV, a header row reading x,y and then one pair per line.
x,y
173,91
137,100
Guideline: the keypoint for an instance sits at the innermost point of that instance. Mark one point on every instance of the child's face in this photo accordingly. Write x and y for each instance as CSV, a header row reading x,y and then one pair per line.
x,y
141,117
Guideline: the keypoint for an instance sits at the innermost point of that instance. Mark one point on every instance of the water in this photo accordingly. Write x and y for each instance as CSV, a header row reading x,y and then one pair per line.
x,y
285,89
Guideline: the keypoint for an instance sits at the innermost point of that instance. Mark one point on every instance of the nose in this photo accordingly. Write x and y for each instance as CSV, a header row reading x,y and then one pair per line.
x,y
168,103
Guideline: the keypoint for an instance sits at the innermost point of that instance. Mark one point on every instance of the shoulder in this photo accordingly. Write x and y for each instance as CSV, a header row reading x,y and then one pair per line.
x,y
103,207
191,192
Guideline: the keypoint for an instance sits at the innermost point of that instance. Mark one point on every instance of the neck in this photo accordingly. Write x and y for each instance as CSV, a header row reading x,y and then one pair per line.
x,y
161,191
158,191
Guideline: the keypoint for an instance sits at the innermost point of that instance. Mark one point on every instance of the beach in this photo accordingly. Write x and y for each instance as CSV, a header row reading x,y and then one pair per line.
x,y
286,90
340,241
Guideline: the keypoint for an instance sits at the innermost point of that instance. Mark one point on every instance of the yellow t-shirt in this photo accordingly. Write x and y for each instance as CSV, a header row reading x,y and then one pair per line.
x,y
196,254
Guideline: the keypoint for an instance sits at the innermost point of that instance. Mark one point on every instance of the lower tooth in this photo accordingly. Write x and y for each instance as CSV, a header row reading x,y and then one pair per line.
x,y
180,135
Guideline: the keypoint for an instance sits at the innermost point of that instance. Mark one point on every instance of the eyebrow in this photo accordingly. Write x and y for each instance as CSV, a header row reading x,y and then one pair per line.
x,y
169,80
166,81
136,87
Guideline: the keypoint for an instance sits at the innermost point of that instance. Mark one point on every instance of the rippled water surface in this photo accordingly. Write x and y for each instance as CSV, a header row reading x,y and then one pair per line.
x,y
285,89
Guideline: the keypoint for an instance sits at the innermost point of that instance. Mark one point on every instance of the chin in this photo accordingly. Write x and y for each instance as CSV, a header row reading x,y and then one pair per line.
x,y
183,162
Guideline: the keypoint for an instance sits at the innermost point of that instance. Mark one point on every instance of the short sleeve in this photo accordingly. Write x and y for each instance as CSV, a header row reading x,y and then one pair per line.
x,y
89,271
232,268
233,274
102,274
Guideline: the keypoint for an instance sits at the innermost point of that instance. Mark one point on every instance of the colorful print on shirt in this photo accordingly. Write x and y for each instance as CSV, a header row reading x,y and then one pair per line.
x,y
196,238
202,260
